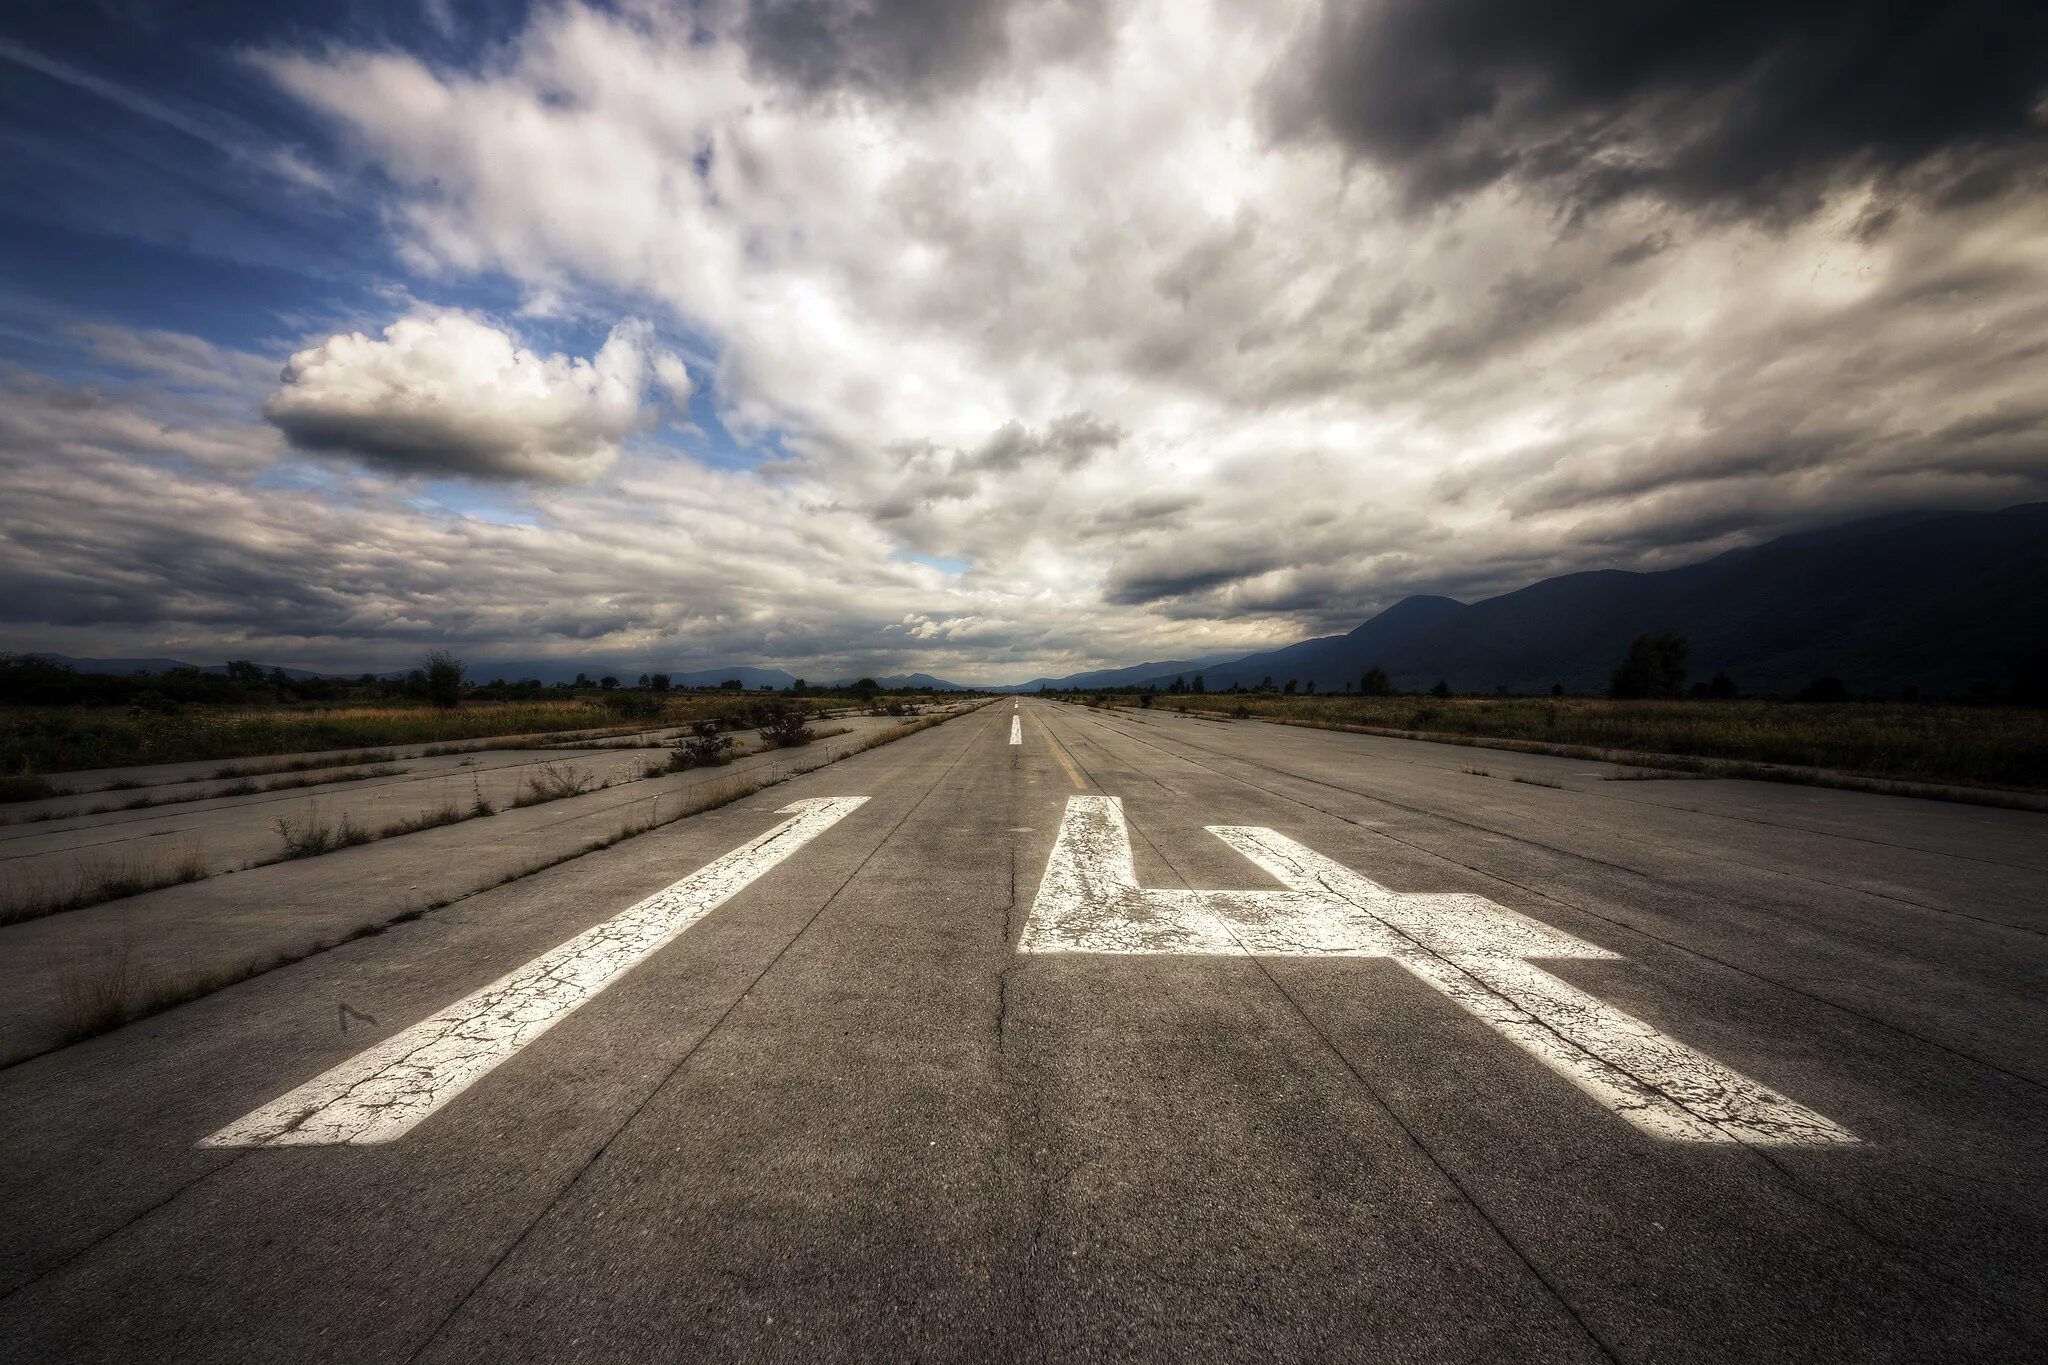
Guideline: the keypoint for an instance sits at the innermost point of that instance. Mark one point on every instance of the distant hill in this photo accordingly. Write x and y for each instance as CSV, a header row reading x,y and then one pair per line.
x,y
121,668
902,682
1937,601
712,677
511,670
1117,677
548,671
552,671
1328,656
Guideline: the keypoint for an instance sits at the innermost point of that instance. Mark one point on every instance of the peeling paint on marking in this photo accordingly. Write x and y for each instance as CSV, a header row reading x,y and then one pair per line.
x,y
1016,730
381,1093
1467,947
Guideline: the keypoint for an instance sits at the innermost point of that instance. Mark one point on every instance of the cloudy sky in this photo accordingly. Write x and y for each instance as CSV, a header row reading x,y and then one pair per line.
x,y
990,340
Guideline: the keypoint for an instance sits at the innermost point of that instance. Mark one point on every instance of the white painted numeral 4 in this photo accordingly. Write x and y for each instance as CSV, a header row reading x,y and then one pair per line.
x,y
1472,950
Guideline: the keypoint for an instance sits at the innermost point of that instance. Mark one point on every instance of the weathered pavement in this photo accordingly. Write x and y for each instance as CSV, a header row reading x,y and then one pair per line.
x,y
219,925
838,1115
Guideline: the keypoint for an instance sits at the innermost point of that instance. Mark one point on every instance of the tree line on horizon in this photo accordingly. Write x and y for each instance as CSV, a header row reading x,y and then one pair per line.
x,y
440,679
1655,668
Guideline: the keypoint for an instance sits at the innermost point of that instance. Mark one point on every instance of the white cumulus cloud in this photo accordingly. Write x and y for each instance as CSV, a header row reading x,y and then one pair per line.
x,y
1037,335
1056,301
444,393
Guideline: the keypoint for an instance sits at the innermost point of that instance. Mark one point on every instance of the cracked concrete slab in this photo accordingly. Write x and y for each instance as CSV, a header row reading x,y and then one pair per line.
x,y
842,1118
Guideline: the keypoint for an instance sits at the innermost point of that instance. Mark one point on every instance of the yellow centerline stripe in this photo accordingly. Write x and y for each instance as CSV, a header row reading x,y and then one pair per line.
x,y
1059,753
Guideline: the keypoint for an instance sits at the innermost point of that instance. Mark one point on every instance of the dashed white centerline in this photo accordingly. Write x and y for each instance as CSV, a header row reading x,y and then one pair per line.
x,y
381,1093
1016,730
1465,946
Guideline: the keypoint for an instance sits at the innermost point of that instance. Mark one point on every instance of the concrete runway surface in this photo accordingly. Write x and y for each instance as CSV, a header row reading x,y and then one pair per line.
x,y
222,922
1309,1046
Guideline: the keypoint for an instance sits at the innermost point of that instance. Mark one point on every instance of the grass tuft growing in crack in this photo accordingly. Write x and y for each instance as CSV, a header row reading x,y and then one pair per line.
x,y
32,893
312,836
555,782
448,813
100,992
95,992
300,765
703,745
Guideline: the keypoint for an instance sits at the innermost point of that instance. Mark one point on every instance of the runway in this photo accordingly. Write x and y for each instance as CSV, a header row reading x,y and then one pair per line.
x,y
1065,1034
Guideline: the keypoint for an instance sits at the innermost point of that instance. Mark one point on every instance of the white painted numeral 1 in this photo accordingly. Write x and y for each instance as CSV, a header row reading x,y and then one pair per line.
x,y
380,1094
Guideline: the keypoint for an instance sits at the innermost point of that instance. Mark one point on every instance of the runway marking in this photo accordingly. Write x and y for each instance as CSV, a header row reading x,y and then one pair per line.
x,y
1016,730
381,1093
1466,946
1059,752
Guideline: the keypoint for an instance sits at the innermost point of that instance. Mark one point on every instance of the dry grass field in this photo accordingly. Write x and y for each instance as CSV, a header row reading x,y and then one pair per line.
x,y
35,740
1985,746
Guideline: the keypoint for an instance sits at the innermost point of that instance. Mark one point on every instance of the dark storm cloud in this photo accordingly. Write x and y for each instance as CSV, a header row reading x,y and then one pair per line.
x,y
1148,513
1015,458
884,46
1753,106
1520,307
1068,442
1198,571
927,229
1227,567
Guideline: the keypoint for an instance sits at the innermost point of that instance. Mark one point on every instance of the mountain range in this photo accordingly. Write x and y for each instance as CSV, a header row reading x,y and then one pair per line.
x,y
1937,601
1941,601
552,671
121,668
